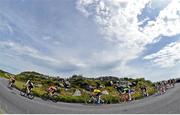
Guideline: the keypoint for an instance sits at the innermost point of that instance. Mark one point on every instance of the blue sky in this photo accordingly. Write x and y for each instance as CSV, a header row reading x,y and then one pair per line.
x,y
91,37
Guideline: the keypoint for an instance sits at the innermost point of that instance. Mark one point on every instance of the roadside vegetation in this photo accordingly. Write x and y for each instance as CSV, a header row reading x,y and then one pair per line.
x,y
78,82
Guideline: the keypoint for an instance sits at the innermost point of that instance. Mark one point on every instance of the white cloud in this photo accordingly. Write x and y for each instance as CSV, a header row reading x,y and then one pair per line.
x,y
167,23
166,57
47,38
118,21
19,50
25,50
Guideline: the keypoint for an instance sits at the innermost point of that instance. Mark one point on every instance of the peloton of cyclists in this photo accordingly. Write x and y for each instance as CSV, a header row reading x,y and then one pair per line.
x,y
163,86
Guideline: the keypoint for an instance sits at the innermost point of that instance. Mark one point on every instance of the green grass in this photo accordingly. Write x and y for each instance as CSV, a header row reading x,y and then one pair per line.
x,y
4,75
1,112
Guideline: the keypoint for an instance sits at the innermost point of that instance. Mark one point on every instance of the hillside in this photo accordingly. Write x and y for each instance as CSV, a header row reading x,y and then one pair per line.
x,y
5,74
67,87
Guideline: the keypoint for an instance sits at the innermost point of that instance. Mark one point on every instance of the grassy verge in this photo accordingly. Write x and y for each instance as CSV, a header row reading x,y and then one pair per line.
x,y
1,112
67,95
4,75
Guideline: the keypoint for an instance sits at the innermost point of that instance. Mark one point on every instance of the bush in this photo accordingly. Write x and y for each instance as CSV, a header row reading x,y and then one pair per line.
x,y
71,99
137,95
4,75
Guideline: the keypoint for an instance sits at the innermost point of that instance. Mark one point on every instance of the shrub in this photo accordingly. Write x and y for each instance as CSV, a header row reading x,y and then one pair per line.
x,y
71,99
109,99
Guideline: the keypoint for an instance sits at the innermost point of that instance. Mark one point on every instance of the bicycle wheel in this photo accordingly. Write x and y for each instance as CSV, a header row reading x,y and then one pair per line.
x,y
23,92
86,101
89,101
45,96
30,95
55,98
92,100
9,86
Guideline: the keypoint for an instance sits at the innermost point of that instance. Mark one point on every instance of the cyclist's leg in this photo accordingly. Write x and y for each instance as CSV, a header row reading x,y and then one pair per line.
x,y
98,99
28,90
10,83
124,97
129,95
144,93
92,99
53,92
102,100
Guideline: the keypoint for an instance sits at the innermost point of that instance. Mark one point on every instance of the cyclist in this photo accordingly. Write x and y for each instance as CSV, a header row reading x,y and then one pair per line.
x,y
173,82
158,88
128,91
51,90
97,94
29,86
144,90
124,91
11,81
163,87
67,84
169,83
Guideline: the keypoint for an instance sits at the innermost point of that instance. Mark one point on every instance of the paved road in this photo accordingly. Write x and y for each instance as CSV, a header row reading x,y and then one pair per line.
x,y
12,102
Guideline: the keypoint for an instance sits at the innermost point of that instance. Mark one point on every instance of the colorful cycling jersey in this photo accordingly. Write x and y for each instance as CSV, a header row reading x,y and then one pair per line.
x,y
52,88
97,91
29,84
126,88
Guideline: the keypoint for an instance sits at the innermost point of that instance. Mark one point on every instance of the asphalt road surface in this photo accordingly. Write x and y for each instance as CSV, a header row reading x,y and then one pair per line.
x,y
12,103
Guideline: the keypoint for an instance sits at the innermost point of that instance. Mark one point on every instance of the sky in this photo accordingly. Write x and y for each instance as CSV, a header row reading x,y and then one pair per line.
x,y
123,38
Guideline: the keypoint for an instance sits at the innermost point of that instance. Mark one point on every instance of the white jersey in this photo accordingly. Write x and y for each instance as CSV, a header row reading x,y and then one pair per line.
x,y
28,83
